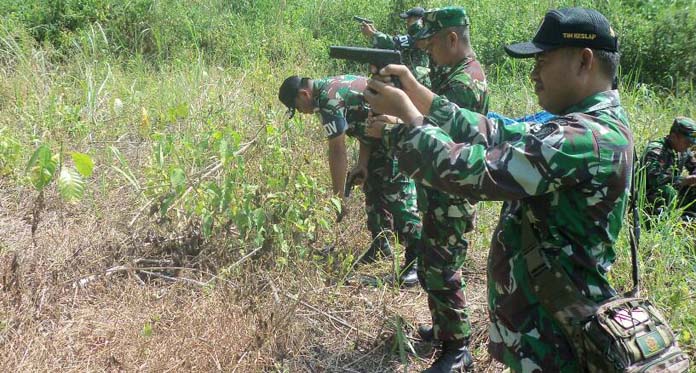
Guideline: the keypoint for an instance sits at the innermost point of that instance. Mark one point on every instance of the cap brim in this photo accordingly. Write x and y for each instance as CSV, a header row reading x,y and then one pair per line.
x,y
527,49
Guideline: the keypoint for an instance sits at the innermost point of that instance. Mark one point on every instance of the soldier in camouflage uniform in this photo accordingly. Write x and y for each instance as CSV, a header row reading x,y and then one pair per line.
x,y
664,162
447,218
415,58
390,197
569,177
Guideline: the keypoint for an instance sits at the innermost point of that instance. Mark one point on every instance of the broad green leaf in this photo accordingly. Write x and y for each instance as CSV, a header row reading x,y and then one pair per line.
x,y
336,204
83,163
207,224
259,217
177,178
70,185
41,167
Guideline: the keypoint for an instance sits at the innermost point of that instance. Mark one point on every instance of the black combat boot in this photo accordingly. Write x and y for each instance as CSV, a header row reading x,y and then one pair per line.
x,y
408,274
425,332
454,357
378,248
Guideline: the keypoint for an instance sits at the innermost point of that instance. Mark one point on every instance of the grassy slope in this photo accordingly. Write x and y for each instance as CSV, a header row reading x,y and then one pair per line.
x,y
293,306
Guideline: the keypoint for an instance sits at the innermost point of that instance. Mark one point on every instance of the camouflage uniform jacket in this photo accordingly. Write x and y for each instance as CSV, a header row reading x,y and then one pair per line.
x,y
663,169
414,58
465,85
341,106
438,73
569,176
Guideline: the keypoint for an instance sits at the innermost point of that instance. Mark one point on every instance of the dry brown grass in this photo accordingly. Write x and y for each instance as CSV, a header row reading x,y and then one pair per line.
x,y
260,317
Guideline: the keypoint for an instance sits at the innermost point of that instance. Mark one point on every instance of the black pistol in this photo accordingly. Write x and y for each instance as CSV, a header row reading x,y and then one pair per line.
x,y
373,56
350,182
362,20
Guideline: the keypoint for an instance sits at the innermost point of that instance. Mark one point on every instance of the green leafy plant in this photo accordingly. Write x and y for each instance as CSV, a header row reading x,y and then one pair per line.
x,y
71,180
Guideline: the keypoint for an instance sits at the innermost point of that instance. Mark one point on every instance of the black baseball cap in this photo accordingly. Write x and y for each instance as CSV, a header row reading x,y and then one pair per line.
x,y
568,27
413,12
288,92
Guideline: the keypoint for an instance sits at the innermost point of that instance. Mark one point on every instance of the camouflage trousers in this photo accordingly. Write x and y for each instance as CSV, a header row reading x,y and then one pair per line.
x,y
390,203
537,346
442,253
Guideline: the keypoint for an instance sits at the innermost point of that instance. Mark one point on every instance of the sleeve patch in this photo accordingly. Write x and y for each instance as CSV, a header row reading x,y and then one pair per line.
x,y
334,126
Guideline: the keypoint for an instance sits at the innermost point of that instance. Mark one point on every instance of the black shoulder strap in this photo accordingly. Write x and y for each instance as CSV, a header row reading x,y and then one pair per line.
x,y
634,234
555,291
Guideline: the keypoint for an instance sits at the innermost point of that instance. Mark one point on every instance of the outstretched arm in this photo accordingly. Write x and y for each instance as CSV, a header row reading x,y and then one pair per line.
x,y
501,163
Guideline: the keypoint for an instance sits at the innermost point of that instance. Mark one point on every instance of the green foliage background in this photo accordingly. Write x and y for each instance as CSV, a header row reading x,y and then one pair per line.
x,y
657,35
176,103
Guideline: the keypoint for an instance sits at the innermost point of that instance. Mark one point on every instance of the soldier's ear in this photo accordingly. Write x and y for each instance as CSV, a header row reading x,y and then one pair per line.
x,y
587,59
453,38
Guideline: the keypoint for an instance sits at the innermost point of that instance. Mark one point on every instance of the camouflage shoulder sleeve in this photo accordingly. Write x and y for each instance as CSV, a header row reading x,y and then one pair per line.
x,y
467,92
658,177
467,126
464,96
534,160
382,41
332,116
690,162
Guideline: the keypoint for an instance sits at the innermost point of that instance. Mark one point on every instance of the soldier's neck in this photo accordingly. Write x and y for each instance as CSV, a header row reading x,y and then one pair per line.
x,y
464,53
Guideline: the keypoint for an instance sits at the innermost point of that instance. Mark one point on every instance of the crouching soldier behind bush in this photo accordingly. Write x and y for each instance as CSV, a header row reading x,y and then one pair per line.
x,y
664,161
390,197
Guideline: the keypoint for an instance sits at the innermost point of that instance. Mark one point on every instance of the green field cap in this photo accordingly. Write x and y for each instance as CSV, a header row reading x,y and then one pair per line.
x,y
685,126
568,27
437,19
288,92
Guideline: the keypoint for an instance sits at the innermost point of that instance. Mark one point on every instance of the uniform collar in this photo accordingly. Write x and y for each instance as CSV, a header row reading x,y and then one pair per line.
x,y
456,69
598,101
462,64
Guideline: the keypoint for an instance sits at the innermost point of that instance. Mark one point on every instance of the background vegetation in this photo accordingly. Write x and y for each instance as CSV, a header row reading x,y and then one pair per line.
x,y
157,211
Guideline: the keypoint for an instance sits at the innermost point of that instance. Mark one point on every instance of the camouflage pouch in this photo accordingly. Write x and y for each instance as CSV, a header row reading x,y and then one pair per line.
x,y
628,335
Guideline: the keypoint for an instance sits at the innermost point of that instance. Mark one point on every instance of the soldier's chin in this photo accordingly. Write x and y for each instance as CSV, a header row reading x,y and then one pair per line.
x,y
546,105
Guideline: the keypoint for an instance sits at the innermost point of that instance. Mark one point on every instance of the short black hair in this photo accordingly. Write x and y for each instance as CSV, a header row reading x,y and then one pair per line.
x,y
608,61
461,31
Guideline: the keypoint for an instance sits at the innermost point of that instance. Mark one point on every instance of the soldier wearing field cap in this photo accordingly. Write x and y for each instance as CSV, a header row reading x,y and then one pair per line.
x,y
447,218
415,58
565,183
390,197
665,161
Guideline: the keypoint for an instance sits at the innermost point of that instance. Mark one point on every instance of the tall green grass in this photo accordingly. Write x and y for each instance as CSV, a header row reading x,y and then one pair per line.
x,y
176,103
